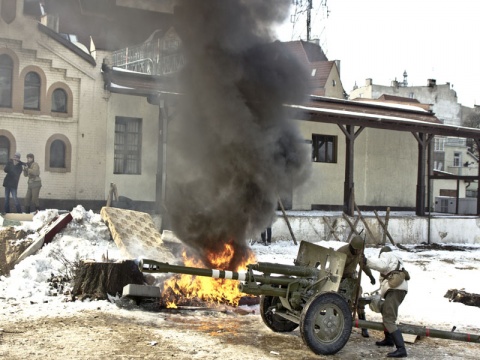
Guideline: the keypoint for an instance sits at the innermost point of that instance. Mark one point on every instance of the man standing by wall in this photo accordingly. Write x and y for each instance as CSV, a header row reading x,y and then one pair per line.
x,y
32,171
13,170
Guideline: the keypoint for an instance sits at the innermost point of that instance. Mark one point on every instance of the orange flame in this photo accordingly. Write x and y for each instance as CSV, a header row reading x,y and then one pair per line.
x,y
205,291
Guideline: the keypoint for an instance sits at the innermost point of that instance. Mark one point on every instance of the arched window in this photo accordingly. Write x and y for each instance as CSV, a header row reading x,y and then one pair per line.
x,y
4,150
31,99
59,101
6,72
57,154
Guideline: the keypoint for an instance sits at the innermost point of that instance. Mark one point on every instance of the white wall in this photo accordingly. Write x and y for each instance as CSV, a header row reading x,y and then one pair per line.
x,y
137,187
405,229
385,169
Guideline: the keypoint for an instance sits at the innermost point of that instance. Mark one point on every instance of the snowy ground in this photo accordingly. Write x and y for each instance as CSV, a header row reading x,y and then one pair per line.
x,y
26,298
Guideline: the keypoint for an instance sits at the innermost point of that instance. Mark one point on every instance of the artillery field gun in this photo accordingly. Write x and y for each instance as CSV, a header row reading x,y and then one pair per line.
x,y
308,294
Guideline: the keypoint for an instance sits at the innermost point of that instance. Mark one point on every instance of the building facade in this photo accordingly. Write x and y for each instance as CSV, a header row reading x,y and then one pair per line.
x,y
450,155
53,104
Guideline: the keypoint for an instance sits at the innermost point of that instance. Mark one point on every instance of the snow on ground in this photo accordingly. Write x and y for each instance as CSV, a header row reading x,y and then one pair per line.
x,y
26,292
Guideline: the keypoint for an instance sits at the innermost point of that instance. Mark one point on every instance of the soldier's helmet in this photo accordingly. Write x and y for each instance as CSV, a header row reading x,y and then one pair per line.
x,y
357,242
385,249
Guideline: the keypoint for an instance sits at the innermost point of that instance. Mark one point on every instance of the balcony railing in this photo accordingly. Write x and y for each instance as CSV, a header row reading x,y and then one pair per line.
x,y
148,58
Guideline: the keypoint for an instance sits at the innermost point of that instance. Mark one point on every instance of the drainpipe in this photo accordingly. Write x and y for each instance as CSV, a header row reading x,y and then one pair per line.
x,y
429,189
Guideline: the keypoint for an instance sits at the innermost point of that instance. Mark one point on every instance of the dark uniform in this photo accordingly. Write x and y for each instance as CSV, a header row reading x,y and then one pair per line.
x,y
350,275
13,170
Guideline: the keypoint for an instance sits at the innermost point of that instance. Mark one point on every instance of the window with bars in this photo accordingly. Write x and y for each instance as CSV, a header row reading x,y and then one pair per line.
x,y
324,148
128,145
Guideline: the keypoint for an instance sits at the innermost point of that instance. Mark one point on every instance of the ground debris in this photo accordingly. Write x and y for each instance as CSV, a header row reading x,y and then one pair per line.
x,y
463,297
434,246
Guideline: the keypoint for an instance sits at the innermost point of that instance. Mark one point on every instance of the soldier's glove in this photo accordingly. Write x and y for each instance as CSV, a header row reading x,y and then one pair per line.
x,y
372,280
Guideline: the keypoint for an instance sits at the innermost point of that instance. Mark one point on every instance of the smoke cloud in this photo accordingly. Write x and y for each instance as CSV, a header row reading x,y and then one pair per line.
x,y
233,147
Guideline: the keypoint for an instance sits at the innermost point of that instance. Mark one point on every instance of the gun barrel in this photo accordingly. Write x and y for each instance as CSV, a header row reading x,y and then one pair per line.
x,y
152,266
289,270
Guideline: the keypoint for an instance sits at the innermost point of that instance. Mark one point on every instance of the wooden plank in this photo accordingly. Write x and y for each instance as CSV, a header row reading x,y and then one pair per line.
x,y
32,249
45,235
332,228
18,217
352,226
384,228
366,225
387,218
286,220
54,227
410,338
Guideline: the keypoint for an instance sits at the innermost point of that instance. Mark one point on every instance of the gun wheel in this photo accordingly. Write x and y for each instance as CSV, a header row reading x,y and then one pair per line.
x,y
326,323
268,306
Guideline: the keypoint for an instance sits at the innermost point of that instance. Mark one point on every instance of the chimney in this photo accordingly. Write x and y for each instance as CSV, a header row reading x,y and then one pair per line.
x,y
368,82
337,62
395,83
432,82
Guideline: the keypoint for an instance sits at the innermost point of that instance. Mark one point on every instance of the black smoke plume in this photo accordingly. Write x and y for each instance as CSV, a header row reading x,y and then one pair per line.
x,y
234,147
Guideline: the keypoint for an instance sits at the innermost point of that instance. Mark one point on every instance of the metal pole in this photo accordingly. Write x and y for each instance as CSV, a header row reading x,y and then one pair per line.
x,y
420,331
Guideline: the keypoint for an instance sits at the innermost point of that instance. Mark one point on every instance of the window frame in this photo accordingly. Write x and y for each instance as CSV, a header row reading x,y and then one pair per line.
x,y
457,159
10,90
122,155
65,103
67,155
7,147
32,86
330,153
63,154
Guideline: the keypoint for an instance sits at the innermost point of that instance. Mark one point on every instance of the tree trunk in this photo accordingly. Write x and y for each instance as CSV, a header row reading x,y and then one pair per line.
x,y
97,279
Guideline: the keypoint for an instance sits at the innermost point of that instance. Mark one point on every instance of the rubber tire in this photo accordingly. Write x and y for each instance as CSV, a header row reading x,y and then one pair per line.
x,y
326,323
273,321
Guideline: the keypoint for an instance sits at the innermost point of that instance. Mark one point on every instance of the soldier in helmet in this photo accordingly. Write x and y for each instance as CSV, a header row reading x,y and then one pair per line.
x,y
388,263
353,250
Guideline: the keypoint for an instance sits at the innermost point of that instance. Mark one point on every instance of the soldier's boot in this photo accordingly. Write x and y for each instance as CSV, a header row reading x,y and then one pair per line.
x,y
364,331
388,341
401,351
27,209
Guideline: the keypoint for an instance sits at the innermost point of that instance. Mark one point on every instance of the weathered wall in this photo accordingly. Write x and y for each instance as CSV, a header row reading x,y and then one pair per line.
x,y
385,169
331,90
443,99
139,187
407,229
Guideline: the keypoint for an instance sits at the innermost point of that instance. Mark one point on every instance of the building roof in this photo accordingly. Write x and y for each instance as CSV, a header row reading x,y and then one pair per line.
x,y
68,44
308,51
312,57
320,71
388,116
385,98
377,115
